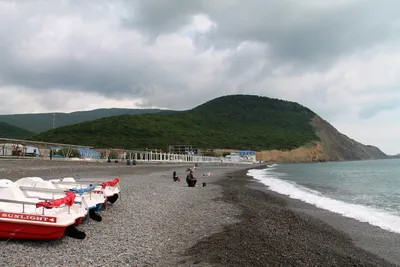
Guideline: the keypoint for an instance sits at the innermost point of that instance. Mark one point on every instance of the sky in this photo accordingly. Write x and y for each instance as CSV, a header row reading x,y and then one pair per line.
x,y
339,58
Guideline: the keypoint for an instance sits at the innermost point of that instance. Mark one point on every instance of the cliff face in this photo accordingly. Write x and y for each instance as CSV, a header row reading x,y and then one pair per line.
x,y
338,146
333,146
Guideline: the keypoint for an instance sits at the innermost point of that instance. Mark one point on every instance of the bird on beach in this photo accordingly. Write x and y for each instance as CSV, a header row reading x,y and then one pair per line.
x,y
230,176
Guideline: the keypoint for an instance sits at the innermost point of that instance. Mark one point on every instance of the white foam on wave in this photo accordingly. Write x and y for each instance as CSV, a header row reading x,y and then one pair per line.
x,y
380,218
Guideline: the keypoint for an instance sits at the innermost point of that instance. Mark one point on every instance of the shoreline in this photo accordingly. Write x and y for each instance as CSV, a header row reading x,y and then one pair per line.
x,y
371,238
275,230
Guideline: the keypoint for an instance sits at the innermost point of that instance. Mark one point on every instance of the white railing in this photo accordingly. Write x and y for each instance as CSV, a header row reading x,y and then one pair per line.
x,y
142,156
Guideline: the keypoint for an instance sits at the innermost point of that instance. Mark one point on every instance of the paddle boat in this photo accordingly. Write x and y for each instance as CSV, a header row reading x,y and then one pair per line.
x,y
37,187
30,218
110,189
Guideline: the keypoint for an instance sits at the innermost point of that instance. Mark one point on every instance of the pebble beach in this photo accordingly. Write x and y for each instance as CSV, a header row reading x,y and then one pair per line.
x,y
152,224
158,222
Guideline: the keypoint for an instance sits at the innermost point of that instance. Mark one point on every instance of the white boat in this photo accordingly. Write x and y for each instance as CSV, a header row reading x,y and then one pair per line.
x,y
39,188
23,217
110,189
93,200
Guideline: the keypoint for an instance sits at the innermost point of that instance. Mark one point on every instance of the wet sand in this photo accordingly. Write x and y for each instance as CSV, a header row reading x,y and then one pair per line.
x,y
277,231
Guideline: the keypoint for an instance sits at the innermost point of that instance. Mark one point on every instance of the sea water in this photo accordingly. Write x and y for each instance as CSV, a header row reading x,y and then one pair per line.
x,y
368,191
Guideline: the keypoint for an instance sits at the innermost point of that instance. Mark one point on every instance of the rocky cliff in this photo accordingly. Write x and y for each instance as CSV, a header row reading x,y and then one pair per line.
x,y
334,146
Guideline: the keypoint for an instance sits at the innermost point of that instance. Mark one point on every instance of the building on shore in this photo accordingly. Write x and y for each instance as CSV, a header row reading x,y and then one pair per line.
x,y
45,150
242,156
7,149
247,155
13,149
183,150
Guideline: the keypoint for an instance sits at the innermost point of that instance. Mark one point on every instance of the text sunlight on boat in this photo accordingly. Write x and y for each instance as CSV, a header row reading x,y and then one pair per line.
x,y
35,209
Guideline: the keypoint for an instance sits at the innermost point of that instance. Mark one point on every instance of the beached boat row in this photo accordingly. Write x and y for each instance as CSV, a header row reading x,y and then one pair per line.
x,y
35,209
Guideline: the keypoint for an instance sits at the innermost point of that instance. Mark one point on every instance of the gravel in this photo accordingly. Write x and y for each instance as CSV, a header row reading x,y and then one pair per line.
x,y
152,224
271,234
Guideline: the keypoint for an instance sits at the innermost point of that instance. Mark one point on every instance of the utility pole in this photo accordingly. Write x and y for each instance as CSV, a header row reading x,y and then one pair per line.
x,y
54,120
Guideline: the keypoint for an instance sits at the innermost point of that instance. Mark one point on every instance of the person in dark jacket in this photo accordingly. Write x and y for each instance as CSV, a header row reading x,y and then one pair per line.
x,y
175,177
191,180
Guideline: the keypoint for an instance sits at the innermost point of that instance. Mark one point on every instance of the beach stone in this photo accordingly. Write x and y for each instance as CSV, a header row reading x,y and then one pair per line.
x,y
152,224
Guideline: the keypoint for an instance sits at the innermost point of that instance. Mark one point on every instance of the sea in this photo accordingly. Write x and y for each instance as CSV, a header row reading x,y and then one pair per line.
x,y
368,191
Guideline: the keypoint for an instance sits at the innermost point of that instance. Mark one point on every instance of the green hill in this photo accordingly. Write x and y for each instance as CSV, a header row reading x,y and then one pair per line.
x,y
44,121
235,121
13,132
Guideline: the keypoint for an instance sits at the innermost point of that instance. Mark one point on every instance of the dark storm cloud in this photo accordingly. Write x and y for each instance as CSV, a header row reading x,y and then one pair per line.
x,y
109,76
157,17
93,46
111,73
308,32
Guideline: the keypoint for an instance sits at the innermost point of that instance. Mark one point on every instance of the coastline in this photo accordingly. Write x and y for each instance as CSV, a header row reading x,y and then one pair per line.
x,y
374,239
275,230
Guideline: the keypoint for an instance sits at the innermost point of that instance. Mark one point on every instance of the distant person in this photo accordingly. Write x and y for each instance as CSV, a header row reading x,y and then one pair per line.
x,y
51,154
175,177
191,180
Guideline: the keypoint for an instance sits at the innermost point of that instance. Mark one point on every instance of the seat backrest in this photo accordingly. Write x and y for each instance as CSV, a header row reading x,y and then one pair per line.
x,y
6,183
45,184
13,193
69,179
28,181
34,178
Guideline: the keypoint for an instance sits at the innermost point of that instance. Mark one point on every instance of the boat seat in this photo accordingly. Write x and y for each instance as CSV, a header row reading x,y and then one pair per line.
x,y
14,193
25,182
36,179
6,183
69,179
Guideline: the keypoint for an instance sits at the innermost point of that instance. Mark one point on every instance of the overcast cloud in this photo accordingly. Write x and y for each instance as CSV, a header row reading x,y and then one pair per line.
x,y
340,58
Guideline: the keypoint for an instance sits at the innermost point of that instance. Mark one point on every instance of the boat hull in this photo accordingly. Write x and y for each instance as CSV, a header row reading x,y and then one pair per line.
x,y
78,221
23,231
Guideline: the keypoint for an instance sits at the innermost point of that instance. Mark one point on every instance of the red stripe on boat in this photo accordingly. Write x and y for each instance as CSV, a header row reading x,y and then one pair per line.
x,y
110,183
11,230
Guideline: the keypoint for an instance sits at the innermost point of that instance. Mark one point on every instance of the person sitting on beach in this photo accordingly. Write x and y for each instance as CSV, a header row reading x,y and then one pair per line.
x,y
175,177
191,180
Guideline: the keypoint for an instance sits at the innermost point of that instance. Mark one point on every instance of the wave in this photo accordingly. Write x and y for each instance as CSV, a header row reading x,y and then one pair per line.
x,y
272,165
380,218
